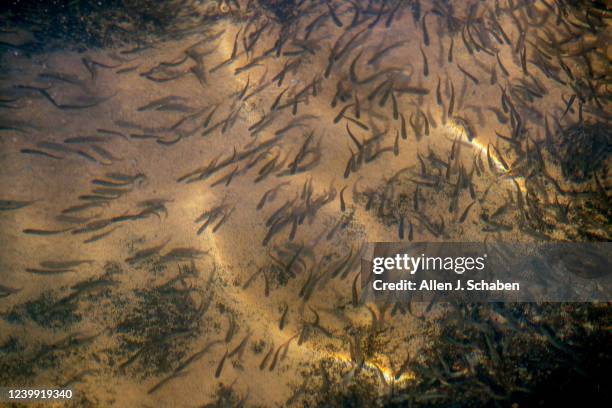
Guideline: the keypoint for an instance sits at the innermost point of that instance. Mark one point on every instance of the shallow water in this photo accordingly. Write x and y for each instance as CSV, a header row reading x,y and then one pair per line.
x,y
187,111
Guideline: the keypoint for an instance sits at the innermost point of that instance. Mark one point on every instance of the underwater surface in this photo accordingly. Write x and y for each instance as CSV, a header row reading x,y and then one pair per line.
x,y
185,187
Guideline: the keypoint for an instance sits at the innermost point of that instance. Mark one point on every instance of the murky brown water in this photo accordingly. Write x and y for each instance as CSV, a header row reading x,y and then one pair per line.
x,y
151,163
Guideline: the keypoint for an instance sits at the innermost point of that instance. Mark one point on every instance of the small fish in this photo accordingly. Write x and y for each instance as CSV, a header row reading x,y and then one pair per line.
x,y
40,153
378,16
425,63
82,207
570,102
58,147
182,254
227,179
501,66
392,14
231,329
239,349
376,90
410,231
209,117
48,271
425,32
86,139
383,51
395,107
466,126
31,231
465,212
87,156
220,366
499,28
226,215
275,359
425,121
347,46
342,112
235,46
334,16
413,124
423,168
167,379
453,148
451,104
142,136
64,264
404,133
266,284
489,159
357,122
98,237
246,87
349,165
6,291
59,76
278,99
161,102
8,205
469,75
281,324
272,192
104,153
501,210
356,17
501,159
501,118
396,145
264,362
146,253
415,8
127,69
355,296
251,279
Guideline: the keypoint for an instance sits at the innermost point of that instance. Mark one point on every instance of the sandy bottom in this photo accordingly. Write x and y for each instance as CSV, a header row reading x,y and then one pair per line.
x,y
166,327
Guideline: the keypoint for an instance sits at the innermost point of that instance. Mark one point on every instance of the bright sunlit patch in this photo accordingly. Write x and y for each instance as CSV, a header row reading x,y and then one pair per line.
x,y
374,366
458,130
